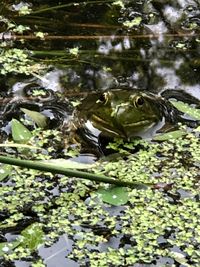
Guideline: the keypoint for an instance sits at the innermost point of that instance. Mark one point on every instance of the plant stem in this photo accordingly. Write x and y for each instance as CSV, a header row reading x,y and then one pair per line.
x,y
45,167
70,5
98,37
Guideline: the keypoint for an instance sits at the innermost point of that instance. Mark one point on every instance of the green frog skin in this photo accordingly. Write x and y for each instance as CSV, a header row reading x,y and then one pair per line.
x,y
126,113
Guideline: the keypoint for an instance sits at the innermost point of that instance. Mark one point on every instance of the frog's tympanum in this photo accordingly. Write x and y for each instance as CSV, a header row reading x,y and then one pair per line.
x,y
124,113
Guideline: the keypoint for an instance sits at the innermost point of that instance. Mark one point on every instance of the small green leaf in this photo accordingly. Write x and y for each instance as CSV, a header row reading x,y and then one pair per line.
x,y
114,195
169,136
37,117
32,236
5,170
20,133
187,109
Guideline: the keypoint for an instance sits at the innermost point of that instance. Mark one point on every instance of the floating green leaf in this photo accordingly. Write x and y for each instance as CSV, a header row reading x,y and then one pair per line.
x,y
114,195
169,135
32,236
37,117
20,133
5,170
7,247
185,108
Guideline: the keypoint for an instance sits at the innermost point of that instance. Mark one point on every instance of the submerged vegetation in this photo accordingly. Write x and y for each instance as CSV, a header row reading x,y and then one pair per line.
x,y
53,51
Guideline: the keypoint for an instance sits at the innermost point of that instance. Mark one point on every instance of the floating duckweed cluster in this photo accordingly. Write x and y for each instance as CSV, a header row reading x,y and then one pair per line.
x,y
174,161
14,60
17,61
160,223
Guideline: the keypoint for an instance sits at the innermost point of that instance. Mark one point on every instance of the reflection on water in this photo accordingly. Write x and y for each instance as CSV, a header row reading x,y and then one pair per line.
x,y
148,45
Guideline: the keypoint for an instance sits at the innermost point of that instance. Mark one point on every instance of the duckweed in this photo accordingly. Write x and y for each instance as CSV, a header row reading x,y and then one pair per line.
x,y
155,223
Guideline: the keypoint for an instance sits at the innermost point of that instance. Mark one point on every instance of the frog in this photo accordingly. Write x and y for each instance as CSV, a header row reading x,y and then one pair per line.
x,y
127,114
114,113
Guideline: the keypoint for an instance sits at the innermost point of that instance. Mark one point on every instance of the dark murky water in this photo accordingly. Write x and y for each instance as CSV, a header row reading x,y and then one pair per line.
x,y
98,45
158,51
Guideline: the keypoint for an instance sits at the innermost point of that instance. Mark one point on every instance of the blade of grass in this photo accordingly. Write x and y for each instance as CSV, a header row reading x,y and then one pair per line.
x,y
68,172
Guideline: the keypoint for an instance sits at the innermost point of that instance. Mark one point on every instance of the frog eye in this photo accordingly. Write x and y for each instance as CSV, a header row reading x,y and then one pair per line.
x,y
103,98
138,101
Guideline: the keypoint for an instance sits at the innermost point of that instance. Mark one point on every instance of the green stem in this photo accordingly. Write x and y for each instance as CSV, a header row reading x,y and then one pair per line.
x,y
68,172
69,58
70,5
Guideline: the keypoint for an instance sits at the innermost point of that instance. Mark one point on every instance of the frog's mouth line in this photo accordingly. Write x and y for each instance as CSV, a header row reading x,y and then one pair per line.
x,y
139,123
101,121
106,126
119,129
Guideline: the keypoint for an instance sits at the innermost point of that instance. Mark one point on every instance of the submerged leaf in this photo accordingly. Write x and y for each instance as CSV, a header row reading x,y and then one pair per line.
x,y
5,170
20,133
187,109
37,117
114,195
169,135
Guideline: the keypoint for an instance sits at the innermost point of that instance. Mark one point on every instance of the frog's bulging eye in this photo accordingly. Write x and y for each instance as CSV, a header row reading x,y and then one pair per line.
x,y
103,98
139,101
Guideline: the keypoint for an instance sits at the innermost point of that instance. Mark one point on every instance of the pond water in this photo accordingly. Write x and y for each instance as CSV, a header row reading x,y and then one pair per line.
x,y
54,53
